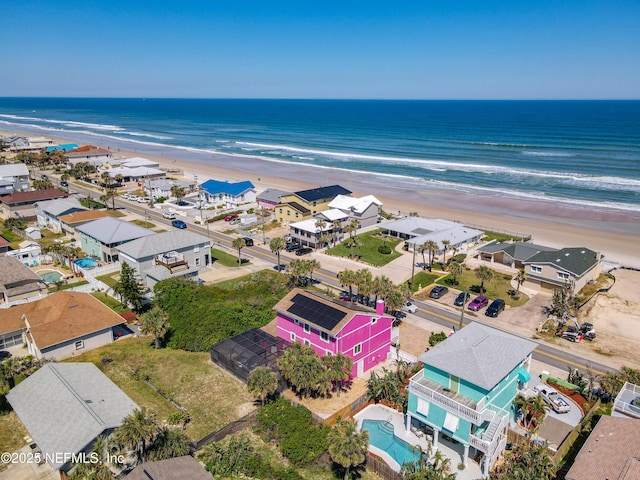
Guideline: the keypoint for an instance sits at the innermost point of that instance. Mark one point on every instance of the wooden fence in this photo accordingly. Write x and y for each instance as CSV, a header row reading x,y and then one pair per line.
x,y
227,430
378,466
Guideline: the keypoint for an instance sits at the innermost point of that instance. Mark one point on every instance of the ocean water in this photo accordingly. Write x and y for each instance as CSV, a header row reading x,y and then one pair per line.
x,y
571,152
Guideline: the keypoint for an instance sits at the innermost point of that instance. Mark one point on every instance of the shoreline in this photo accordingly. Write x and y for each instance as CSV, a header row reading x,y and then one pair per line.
x,y
615,233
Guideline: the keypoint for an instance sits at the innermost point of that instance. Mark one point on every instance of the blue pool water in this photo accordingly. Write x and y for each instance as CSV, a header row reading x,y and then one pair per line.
x,y
50,276
86,262
381,436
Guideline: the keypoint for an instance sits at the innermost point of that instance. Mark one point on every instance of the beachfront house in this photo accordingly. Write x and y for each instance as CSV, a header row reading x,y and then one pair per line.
x,y
49,212
162,187
20,144
64,324
137,174
14,177
65,407
365,210
418,230
134,162
308,232
576,266
612,451
270,198
511,254
17,282
332,327
304,204
88,153
465,392
174,254
22,204
101,238
227,194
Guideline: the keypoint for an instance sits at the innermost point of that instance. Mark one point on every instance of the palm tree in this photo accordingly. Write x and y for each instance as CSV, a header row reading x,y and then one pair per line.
x,y
276,245
455,269
155,322
382,286
263,214
179,418
106,179
520,278
109,195
445,247
347,446
395,299
357,242
338,368
432,248
262,382
348,278
119,178
238,243
296,268
137,432
169,443
336,226
98,468
324,238
177,192
320,225
312,265
484,273
363,280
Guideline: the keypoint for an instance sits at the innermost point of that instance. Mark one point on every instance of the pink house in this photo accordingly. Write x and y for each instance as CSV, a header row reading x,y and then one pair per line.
x,y
330,327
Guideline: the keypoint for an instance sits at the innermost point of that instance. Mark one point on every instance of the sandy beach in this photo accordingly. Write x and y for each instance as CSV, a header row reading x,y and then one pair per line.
x,y
614,233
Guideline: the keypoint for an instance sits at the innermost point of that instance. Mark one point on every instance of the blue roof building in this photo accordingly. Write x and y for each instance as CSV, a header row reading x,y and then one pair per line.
x,y
228,194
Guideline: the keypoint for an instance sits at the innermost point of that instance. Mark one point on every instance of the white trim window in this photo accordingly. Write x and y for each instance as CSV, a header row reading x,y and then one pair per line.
x,y
324,336
423,407
79,344
536,269
357,349
307,328
307,342
197,261
292,336
296,321
562,275
329,353
374,320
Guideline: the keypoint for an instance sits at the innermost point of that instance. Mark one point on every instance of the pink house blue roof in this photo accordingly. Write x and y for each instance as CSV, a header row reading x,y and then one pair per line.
x,y
216,187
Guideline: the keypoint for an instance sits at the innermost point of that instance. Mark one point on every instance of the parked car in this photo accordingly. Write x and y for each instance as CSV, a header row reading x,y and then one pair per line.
x,y
178,224
144,199
304,250
133,198
169,215
495,308
43,176
462,298
477,303
228,218
438,291
248,241
64,184
409,307
551,396
292,247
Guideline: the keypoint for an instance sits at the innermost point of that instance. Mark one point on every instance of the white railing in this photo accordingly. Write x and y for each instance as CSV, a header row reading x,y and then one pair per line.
x,y
22,301
394,354
449,404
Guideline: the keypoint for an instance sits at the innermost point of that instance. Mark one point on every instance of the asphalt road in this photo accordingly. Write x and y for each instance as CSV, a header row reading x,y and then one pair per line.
x,y
544,353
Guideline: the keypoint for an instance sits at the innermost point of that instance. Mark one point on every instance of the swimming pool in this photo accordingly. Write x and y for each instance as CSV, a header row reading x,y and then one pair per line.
x,y
86,262
50,276
381,436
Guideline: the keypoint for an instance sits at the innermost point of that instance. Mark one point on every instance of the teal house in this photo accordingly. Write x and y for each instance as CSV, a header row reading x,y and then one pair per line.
x,y
464,394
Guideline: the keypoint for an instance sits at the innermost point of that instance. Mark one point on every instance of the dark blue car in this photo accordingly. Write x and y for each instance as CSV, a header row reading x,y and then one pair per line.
x,y
178,224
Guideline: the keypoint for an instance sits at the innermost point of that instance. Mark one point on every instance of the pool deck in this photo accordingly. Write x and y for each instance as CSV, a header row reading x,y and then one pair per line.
x,y
386,414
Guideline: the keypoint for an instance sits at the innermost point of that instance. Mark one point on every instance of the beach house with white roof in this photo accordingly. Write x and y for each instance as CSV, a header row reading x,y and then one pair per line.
x,y
418,230
176,253
14,177
464,393
162,187
100,238
364,209
307,232
134,162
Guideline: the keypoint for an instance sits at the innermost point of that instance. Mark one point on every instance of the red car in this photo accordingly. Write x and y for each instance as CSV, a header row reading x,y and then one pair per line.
x,y
228,218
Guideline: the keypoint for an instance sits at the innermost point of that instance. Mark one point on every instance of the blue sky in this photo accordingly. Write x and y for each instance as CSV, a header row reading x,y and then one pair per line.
x,y
240,49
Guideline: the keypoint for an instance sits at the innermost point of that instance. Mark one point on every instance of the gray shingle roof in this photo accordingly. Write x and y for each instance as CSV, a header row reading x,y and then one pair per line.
x,y
13,170
479,354
518,250
178,468
60,206
162,242
272,195
16,279
65,406
109,230
577,260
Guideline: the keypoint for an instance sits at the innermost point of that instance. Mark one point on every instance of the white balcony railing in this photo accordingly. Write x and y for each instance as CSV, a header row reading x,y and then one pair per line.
x,y
451,405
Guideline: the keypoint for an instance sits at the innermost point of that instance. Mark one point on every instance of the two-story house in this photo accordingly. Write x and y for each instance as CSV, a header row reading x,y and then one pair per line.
x,y
101,238
363,209
302,205
466,389
49,212
332,327
14,177
227,194
177,253
270,198
88,153
568,266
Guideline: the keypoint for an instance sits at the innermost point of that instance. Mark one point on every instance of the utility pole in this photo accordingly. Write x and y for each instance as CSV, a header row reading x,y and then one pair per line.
x,y
413,268
461,314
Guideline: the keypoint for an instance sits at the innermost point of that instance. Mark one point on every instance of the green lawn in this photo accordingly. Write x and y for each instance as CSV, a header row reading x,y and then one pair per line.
x,y
212,397
109,279
500,237
496,288
49,237
13,433
422,279
369,249
226,259
143,224
232,283
110,302
12,238
114,213
67,286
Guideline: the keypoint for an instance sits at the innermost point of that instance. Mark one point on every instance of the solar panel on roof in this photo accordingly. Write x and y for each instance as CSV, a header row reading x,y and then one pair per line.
x,y
316,312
